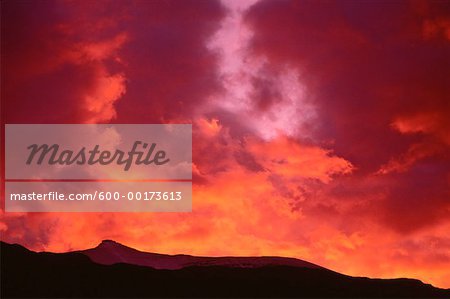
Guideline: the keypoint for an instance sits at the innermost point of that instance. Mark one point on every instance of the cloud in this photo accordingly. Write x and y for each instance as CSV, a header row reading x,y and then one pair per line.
x,y
45,46
269,101
362,70
378,81
291,160
170,72
100,104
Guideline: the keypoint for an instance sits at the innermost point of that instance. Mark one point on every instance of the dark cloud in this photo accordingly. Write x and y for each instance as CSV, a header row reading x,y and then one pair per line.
x,y
367,65
61,56
363,64
32,65
170,71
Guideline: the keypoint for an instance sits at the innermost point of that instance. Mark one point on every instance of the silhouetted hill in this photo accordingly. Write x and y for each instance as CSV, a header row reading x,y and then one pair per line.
x,y
109,252
29,274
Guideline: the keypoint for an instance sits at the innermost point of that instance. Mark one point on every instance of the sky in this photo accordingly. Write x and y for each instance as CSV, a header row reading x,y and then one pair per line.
x,y
321,129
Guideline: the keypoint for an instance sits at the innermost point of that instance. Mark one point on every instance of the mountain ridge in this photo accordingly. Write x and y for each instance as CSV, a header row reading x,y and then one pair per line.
x,y
29,274
110,252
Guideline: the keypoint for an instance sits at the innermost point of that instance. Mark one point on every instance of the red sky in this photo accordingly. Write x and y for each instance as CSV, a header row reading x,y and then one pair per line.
x,y
321,129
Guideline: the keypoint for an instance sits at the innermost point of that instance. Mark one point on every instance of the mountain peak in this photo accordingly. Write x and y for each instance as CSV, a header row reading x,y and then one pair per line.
x,y
108,241
112,244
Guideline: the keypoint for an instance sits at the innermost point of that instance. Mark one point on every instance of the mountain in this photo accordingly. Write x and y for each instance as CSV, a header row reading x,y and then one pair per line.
x,y
109,252
26,274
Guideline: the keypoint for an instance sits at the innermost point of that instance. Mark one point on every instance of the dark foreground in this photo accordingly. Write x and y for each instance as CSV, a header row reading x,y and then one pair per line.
x,y
43,275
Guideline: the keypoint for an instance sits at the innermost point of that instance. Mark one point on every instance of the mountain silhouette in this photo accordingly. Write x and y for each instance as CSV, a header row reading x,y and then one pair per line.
x,y
112,270
109,252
